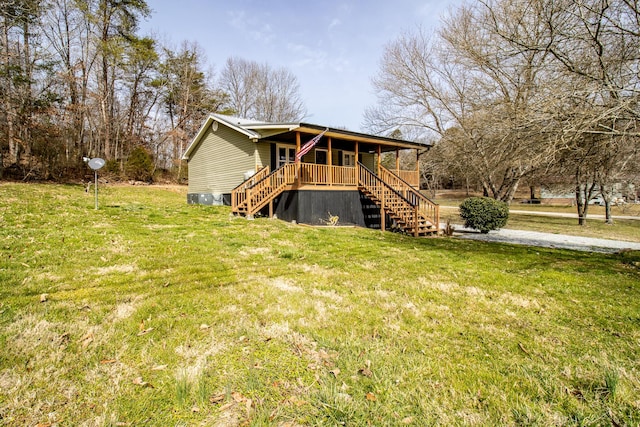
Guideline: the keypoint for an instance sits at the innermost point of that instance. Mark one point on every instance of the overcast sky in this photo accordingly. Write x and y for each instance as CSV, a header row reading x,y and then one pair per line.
x,y
333,47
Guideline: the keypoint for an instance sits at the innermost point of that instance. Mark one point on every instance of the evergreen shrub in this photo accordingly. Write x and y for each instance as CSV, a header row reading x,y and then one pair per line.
x,y
139,165
484,213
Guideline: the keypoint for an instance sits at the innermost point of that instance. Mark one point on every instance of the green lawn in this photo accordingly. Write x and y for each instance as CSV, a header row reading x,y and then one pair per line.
x,y
152,312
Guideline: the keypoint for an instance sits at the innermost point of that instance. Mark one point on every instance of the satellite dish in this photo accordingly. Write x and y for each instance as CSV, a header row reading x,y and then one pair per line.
x,y
96,163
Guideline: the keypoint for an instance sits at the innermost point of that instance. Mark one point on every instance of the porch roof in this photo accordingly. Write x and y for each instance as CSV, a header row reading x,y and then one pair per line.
x,y
285,132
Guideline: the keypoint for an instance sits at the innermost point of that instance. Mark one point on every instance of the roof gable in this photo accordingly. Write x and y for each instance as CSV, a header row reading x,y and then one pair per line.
x,y
227,121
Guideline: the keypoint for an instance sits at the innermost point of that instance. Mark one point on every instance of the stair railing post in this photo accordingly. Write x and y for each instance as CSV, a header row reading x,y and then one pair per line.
x,y
383,213
249,208
415,217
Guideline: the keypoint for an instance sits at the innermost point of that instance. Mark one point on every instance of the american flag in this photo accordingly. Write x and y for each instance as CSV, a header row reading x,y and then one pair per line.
x,y
309,145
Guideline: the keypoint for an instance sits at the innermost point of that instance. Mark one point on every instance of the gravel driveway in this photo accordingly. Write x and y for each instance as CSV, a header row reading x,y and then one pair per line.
x,y
546,240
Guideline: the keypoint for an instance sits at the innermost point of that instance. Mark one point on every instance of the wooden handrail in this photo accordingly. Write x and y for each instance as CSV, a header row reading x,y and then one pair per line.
x,y
238,194
268,188
427,208
395,195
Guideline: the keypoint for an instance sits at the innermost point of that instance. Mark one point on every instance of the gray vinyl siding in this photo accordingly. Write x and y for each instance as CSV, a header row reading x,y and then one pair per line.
x,y
219,162
369,161
264,154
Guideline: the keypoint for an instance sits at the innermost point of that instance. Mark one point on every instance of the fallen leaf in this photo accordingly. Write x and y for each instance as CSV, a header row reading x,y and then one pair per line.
x,y
371,397
195,409
145,331
107,361
238,397
204,327
217,398
227,406
159,367
64,338
44,297
407,420
365,372
335,372
297,401
139,381
248,406
524,350
87,339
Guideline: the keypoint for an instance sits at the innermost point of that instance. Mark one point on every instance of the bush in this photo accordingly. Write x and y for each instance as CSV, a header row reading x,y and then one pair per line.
x,y
484,214
139,165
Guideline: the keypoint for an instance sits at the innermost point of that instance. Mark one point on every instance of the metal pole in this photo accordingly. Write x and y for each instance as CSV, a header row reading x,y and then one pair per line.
x,y
96,186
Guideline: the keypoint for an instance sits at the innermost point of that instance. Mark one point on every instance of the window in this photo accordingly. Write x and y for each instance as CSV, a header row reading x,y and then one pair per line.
x,y
348,158
286,154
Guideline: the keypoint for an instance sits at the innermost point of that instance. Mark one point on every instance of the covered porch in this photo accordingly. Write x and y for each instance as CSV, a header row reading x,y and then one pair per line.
x,y
342,173
333,159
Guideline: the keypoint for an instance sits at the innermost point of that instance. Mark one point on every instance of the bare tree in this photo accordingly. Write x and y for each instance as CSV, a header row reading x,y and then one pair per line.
x,y
594,55
258,92
187,97
472,89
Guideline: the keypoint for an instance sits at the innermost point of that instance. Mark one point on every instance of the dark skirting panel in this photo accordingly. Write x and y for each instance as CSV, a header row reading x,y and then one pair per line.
x,y
316,207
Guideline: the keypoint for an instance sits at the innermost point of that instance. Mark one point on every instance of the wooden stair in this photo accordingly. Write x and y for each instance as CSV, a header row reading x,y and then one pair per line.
x,y
261,189
412,212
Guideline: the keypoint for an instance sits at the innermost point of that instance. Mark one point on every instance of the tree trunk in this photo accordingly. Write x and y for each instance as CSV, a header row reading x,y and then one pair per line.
x,y
607,212
607,196
584,193
12,157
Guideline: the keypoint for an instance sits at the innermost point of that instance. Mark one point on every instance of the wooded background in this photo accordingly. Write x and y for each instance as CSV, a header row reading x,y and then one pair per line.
x,y
76,79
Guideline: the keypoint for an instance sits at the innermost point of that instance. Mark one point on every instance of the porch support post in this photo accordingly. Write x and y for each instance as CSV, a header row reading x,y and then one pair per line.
x,y
297,151
329,162
357,147
418,168
397,160
379,158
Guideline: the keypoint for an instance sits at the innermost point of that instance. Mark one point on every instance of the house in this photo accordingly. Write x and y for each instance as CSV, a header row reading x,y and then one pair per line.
x,y
252,166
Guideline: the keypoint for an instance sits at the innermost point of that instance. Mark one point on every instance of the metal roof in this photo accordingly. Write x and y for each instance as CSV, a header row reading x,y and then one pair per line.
x,y
286,132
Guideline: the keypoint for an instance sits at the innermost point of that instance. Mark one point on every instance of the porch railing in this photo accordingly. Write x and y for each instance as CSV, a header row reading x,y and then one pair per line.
x,y
411,177
426,207
327,175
